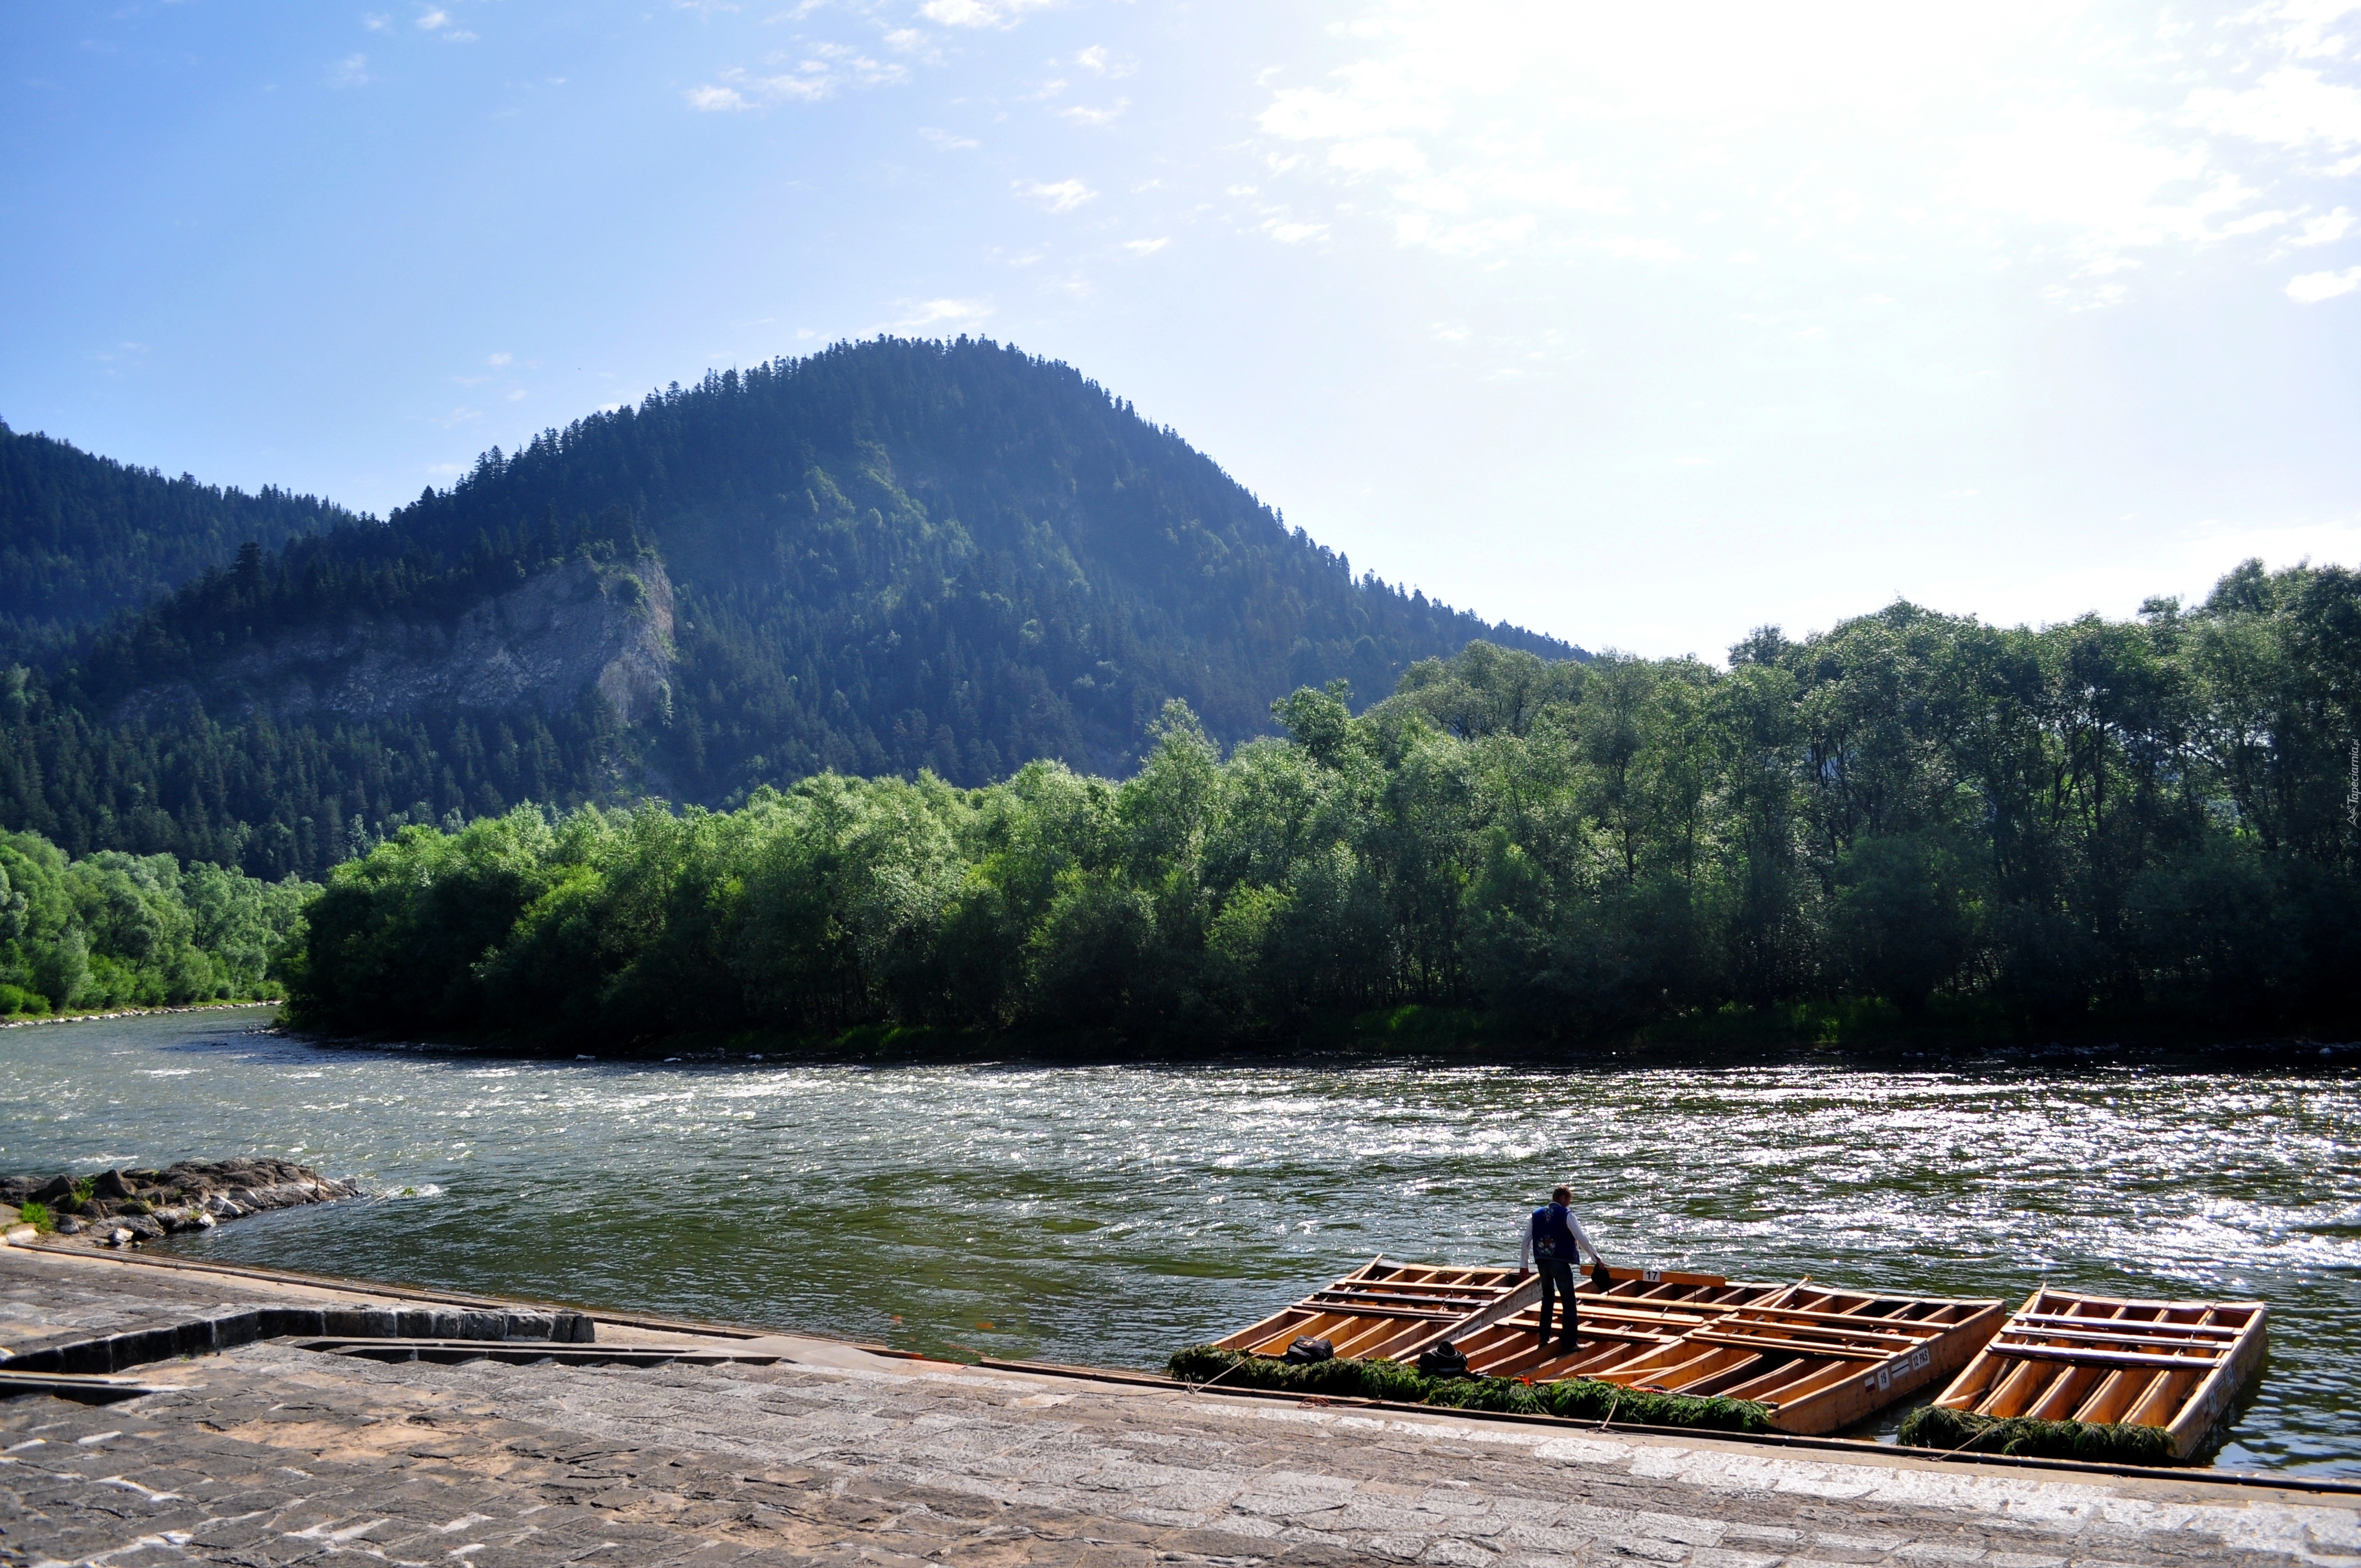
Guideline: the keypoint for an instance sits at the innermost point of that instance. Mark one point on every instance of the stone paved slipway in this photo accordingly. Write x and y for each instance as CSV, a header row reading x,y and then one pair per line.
x,y
270,1454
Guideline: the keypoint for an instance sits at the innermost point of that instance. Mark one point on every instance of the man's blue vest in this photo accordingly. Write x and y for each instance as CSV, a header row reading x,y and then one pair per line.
x,y
1553,1234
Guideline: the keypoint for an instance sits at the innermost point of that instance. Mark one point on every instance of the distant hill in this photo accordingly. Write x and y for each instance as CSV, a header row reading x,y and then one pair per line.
x,y
890,556
83,537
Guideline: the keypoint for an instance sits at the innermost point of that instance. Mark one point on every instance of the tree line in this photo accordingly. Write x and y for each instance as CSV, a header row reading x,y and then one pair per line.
x,y
119,930
84,537
2146,824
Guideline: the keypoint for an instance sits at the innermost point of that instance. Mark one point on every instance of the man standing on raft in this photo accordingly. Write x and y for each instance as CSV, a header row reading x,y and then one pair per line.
x,y
1556,1240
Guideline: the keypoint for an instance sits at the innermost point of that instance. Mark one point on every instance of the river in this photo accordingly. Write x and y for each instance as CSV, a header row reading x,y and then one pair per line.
x,y
1108,1215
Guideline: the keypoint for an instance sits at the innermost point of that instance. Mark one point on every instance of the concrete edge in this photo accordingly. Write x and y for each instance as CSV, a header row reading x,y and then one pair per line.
x,y
462,1299
1853,1448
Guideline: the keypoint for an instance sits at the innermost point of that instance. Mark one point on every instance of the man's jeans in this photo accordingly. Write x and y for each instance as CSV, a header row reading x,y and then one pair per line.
x,y
1557,1277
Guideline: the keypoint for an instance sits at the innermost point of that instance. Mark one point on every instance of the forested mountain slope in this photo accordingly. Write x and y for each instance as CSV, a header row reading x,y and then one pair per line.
x,y
889,557
81,537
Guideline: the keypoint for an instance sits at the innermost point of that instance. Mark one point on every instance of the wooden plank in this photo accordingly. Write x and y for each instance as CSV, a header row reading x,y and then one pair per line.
x,y
2226,1332
1857,1317
1970,1384
2018,1386
1739,1322
2064,1393
1865,1355
2051,1336
1821,1397
2066,1297
2078,1355
2162,1401
2117,1389
1359,1309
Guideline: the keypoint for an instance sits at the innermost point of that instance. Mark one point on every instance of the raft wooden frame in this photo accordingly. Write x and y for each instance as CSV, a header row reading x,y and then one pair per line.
x,y
2067,1356
1821,1358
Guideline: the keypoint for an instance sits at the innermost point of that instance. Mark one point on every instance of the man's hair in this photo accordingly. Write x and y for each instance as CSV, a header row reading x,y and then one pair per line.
x,y
1561,1194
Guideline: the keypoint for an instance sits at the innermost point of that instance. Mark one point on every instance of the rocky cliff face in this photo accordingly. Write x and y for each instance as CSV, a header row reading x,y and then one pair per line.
x,y
574,628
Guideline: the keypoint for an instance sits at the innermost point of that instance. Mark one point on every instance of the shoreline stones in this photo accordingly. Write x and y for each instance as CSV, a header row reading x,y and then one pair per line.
x,y
118,1208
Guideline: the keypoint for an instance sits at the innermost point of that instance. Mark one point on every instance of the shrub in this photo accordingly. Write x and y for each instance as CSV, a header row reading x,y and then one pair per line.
x,y
1573,1400
35,1215
1964,1431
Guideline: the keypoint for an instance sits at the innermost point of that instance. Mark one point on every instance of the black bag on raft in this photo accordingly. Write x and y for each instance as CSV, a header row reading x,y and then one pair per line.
x,y
1307,1349
1599,1277
1442,1360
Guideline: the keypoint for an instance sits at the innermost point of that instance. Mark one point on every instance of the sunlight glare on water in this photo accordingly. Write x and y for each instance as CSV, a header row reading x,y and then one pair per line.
x,y
1112,1214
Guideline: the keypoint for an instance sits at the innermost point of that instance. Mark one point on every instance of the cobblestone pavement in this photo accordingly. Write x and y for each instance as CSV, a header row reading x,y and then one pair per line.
x,y
268,1454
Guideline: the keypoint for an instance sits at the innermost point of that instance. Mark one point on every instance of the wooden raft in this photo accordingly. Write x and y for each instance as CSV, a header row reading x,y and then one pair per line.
x,y
2174,1364
1823,1359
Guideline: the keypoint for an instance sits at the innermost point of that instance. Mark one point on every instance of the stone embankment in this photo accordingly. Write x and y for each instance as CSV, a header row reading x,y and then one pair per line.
x,y
118,1208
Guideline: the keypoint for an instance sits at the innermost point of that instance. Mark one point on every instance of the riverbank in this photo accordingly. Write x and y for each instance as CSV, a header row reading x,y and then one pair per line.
x,y
737,1443
123,1207
1434,1036
25,1021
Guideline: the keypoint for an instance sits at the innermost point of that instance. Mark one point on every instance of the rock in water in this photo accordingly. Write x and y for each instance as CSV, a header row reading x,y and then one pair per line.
x,y
144,1205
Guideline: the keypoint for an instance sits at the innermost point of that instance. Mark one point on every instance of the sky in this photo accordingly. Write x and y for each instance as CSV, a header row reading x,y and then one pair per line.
x,y
1639,325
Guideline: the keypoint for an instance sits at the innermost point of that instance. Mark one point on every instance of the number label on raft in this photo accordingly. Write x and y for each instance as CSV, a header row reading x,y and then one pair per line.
x,y
1882,1379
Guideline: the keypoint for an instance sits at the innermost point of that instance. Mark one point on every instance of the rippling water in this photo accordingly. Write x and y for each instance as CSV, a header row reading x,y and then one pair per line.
x,y
1110,1214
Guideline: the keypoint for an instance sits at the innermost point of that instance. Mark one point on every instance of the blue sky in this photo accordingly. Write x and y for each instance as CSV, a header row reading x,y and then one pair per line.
x,y
1639,325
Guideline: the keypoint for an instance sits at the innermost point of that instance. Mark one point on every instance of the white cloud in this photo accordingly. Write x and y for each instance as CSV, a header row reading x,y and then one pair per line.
x,y
2290,107
816,71
1294,232
946,140
457,416
2320,230
350,71
2308,21
2056,143
437,21
979,12
1376,155
2311,288
1087,116
376,21
501,359
1099,62
1063,196
918,315
1147,246
517,395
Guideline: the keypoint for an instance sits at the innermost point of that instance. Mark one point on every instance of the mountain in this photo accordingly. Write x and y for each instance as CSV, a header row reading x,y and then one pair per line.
x,y
889,557
84,537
